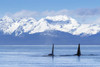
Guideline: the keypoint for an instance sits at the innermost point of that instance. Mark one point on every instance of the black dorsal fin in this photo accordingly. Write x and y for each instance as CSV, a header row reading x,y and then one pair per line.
x,y
78,50
53,49
52,54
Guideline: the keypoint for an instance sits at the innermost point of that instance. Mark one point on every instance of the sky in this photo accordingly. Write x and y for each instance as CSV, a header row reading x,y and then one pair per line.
x,y
79,9
42,5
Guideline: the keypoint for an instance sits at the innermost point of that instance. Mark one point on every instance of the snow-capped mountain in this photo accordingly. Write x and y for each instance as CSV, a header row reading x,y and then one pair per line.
x,y
62,23
59,29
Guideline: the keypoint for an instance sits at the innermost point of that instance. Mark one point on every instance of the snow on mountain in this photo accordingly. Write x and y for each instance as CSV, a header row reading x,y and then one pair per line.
x,y
62,23
87,29
58,18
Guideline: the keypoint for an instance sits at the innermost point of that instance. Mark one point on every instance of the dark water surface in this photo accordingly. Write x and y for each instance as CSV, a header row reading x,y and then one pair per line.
x,y
33,56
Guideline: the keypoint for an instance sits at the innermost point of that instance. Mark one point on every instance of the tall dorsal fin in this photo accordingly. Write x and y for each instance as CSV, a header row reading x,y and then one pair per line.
x,y
53,49
52,54
78,50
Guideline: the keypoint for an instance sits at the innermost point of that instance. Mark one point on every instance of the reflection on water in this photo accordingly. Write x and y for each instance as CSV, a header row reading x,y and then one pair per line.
x,y
36,56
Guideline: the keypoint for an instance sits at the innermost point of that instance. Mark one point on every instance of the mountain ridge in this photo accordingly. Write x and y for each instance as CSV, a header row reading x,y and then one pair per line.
x,y
30,25
59,30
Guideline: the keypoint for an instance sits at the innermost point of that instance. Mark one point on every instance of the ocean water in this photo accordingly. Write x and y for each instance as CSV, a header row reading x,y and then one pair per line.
x,y
34,56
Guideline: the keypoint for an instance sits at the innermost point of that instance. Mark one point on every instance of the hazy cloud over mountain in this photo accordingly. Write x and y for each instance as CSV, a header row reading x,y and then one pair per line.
x,y
82,15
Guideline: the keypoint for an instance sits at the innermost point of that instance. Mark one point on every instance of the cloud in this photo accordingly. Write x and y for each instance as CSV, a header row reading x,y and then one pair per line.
x,y
36,14
25,13
96,21
88,12
80,12
84,15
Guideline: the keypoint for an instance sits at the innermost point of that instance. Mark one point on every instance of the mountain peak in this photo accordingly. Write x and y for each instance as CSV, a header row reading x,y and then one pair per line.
x,y
58,18
7,19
